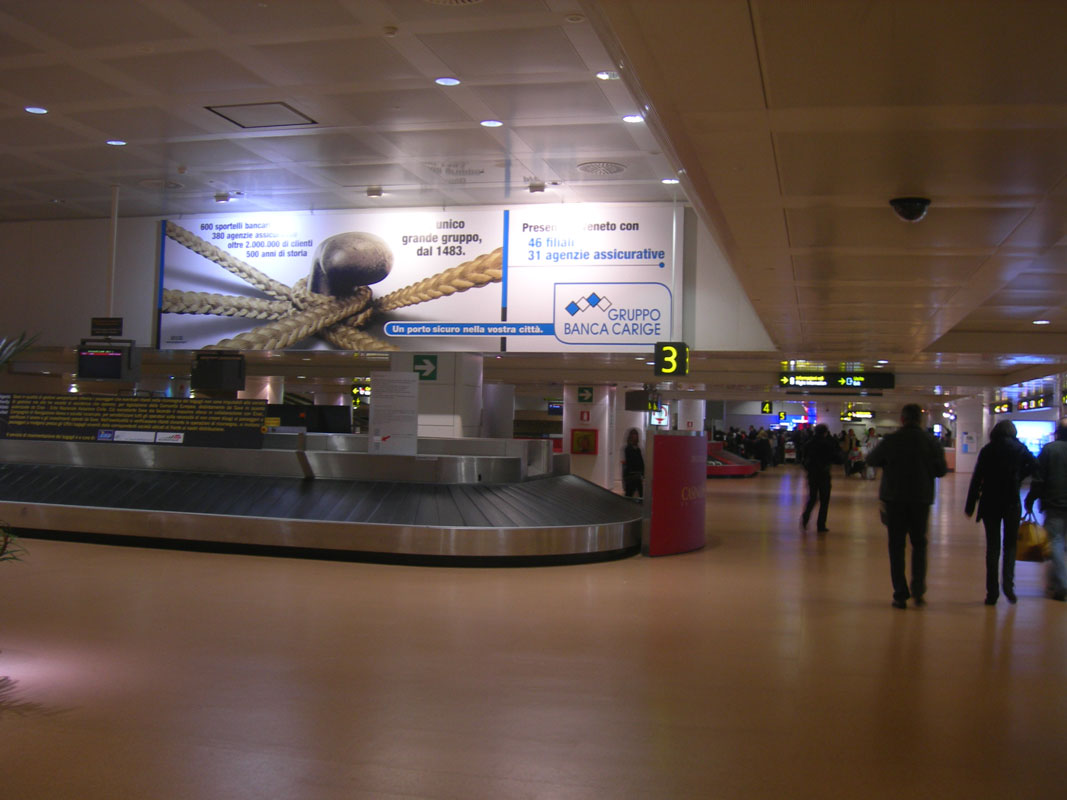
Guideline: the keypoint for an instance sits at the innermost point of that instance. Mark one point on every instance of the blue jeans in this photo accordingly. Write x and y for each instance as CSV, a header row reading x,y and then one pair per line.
x,y
1056,525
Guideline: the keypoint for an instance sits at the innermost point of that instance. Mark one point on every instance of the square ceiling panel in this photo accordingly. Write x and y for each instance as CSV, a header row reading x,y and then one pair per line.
x,y
471,54
52,85
39,130
101,158
399,108
468,11
367,175
940,163
313,148
280,17
447,144
338,61
136,123
98,24
559,140
923,269
547,100
824,226
911,52
188,72
206,154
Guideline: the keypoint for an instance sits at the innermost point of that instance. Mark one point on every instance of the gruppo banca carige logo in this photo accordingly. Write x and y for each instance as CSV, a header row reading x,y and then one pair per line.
x,y
638,313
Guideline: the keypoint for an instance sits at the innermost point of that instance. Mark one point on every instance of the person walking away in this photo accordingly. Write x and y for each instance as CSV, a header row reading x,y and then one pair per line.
x,y
633,465
994,489
911,459
1049,485
821,453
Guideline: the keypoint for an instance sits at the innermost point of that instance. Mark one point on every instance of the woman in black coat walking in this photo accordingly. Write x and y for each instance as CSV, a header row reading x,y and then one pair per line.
x,y
1002,465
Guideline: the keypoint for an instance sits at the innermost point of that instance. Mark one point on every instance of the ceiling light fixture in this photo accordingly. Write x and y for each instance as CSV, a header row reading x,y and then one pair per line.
x,y
607,75
537,186
117,142
374,191
669,181
1042,322
882,361
490,123
633,118
223,197
35,110
447,81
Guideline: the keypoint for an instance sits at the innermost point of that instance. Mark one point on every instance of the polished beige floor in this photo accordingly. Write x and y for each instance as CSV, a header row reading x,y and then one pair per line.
x,y
768,665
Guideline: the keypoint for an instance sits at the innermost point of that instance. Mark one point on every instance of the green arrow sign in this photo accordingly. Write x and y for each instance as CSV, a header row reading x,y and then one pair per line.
x,y
585,394
426,366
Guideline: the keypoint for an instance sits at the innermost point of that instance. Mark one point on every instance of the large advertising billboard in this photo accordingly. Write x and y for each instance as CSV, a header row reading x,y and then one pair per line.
x,y
601,277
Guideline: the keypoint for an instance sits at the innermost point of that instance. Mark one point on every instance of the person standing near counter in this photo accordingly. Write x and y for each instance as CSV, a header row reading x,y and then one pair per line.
x,y
911,459
633,465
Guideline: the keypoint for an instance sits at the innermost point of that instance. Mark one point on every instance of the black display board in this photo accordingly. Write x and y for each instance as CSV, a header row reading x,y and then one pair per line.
x,y
133,420
816,379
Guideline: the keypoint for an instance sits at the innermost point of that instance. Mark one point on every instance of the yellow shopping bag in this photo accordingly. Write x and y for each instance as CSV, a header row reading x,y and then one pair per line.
x,y
1033,541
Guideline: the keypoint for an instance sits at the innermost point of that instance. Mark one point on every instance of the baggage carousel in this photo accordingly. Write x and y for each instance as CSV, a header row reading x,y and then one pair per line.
x,y
475,501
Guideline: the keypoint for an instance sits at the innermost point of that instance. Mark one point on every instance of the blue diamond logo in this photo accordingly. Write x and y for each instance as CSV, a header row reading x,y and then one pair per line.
x,y
593,299
571,308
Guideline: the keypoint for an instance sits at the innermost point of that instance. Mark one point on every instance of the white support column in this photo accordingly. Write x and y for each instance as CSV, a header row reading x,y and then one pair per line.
x,y
450,391
971,431
691,415
498,411
587,409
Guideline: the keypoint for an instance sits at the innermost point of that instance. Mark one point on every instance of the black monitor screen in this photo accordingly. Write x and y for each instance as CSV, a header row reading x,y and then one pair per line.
x,y
223,373
101,363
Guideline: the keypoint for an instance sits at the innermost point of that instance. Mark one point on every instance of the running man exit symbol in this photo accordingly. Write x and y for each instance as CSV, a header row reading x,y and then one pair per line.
x,y
585,394
426,366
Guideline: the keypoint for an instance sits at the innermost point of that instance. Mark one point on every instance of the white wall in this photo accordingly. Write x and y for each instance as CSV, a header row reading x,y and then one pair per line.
x,y
56,278
451,405
726,320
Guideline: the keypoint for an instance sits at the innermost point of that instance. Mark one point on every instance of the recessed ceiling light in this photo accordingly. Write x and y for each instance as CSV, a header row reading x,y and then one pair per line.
x,y
35,110
447,81
223,197
117,142
1042,322
607,75
882,361
491,123
669,181
633,118
374,191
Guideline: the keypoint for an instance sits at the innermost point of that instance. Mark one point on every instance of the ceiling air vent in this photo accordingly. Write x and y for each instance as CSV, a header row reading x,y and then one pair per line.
x,y
601,167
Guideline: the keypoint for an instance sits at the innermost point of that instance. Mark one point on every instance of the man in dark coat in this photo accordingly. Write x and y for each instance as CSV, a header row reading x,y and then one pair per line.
x,y
820,454
1050,486
910,459
994,489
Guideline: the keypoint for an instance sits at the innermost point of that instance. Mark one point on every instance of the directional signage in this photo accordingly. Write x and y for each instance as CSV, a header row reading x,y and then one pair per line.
x,y
672,358
1004,407
585,394
765,407
426,366
814,379
1037,401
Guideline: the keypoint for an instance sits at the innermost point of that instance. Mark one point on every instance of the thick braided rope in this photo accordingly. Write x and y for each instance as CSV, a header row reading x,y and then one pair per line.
x,y
223,305
244,271
481,271
347,335
290,330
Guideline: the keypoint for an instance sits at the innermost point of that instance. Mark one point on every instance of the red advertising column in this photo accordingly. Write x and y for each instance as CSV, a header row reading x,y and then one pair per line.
x,y
679,477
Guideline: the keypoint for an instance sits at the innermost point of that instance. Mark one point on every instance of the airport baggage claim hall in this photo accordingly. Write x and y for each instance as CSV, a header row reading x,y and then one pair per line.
x,y
328,324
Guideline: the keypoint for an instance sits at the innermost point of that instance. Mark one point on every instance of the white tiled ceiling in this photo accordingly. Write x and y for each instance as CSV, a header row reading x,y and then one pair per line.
x,y
795,122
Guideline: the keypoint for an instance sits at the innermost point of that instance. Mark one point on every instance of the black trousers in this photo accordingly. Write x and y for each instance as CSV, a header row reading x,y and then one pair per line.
x,y
904,521
1010,520
818,491
633,484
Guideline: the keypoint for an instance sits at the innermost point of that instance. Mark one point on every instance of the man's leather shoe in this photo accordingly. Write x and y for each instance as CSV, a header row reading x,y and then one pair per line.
x,y
900,604
1010,594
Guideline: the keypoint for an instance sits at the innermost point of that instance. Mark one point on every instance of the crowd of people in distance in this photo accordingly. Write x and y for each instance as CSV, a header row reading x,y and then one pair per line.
x,y
911,458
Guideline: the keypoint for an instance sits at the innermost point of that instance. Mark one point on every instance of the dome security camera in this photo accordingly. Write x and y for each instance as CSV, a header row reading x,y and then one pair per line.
x,y
910,209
